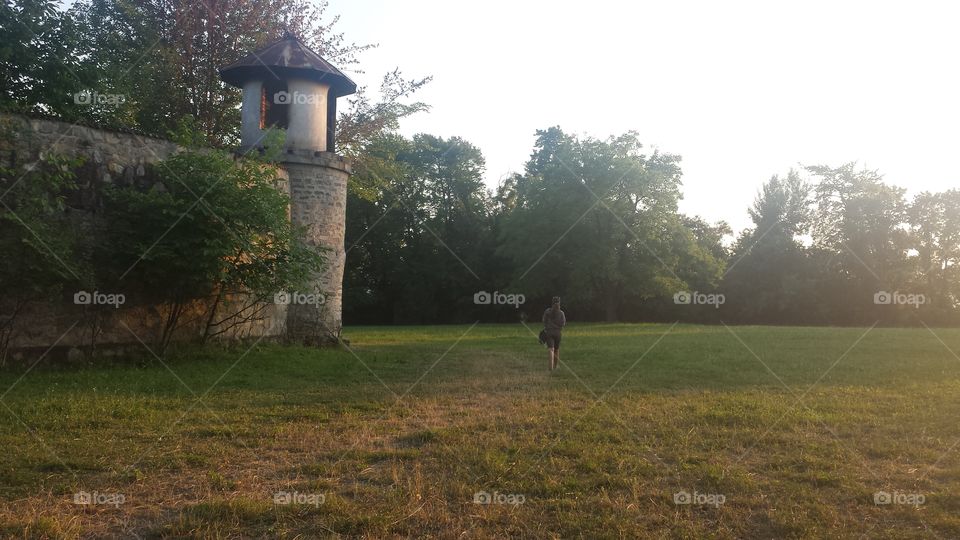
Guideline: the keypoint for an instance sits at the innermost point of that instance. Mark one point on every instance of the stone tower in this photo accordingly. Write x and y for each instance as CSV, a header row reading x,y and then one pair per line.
x,y
288,86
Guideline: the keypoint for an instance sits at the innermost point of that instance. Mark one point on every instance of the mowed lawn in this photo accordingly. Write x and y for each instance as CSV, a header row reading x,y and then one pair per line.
x,y
773,432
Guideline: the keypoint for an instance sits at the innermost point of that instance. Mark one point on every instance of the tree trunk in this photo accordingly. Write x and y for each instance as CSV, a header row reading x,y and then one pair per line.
x,y
610,308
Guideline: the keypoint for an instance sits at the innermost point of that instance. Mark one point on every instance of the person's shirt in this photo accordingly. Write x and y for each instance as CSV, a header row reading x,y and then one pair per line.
x,y
553,323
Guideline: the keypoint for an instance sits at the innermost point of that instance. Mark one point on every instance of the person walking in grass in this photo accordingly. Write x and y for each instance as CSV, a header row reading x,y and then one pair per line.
x,y
553,322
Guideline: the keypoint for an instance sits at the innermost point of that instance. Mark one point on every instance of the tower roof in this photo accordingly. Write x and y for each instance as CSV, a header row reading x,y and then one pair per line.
x,y
286,58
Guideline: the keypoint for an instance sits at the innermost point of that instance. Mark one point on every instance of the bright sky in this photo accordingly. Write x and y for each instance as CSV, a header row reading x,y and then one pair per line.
x,y
741,90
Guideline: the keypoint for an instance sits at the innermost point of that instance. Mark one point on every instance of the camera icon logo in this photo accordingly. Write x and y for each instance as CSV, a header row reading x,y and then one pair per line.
x,y
882,497
482,298
282,98
82,298
882,298
83,98
82,497
482,497
682,297
682,497
281,298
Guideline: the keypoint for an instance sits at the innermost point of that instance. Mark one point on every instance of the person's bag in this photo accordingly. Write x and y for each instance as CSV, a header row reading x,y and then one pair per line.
x,y
543,337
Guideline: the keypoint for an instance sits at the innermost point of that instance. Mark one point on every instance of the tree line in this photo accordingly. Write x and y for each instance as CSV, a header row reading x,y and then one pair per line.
x,y
596,222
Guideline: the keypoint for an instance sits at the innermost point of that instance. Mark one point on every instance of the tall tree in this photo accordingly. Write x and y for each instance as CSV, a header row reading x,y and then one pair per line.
x,y
597,220
419,242
935,231
770,278
862,222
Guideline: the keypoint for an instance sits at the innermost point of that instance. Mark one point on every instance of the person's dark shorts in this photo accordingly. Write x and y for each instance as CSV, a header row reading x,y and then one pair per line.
x,y
553,340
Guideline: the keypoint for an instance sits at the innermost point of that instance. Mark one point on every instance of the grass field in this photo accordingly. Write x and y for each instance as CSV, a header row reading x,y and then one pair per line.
x,y
774,432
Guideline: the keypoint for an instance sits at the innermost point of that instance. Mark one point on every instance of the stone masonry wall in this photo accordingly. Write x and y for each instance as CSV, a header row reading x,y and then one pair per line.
x,y
121,159
117,157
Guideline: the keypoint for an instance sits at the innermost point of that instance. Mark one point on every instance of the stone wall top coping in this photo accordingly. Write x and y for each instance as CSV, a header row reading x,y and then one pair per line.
x,y
35,120
311,157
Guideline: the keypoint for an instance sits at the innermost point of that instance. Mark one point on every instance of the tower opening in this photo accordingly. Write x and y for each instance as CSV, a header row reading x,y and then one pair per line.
x,y
274,105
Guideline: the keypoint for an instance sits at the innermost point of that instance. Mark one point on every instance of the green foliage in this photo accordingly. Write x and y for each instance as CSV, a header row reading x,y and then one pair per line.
x,y
821,250
187,133
598,221
36,235
935,232
210,225
424,235
771,277
271,147
862,223
43,59
368,120
863,220
40,243
419,234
